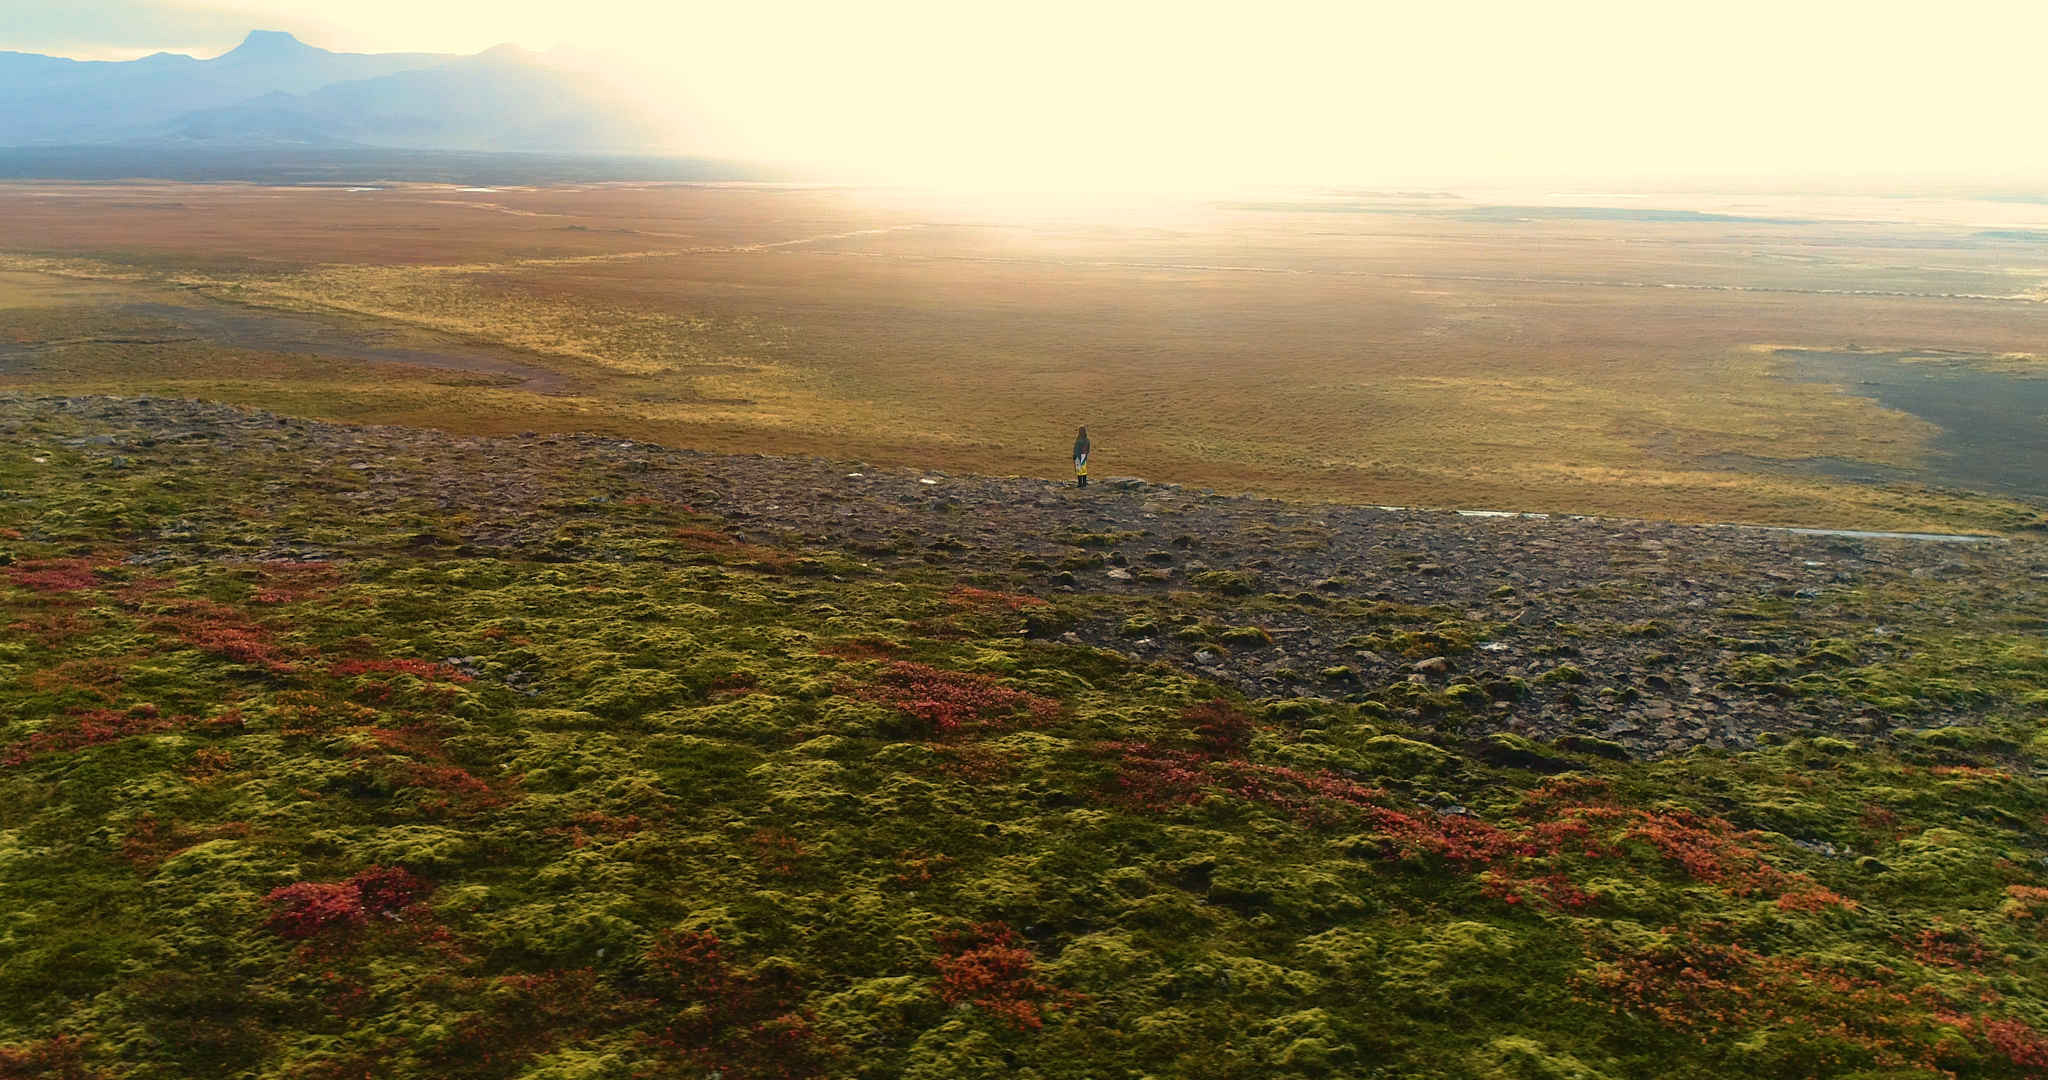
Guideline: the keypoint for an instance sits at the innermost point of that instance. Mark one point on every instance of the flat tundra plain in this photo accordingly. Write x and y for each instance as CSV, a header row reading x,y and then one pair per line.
x,y
1357,347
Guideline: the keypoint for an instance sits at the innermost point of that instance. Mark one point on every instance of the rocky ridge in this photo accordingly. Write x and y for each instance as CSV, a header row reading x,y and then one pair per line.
x,y
1628,637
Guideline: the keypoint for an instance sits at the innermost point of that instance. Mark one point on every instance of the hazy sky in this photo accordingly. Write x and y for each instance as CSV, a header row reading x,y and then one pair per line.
x,y
1358,93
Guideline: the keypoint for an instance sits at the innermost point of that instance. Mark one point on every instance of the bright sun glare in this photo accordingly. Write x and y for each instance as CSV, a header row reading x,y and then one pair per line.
x,y
1476,92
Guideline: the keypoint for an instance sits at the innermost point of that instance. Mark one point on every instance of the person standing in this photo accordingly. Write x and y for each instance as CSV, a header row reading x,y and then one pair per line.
x,y
1081,459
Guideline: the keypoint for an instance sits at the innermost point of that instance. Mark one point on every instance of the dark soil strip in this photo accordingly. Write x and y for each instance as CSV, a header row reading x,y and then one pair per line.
x,y
271,332
1994,427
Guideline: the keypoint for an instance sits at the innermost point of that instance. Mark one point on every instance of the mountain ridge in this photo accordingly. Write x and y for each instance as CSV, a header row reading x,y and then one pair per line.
x,y
275,90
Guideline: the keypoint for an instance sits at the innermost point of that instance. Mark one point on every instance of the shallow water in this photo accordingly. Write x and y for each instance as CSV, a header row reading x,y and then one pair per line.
x,y
1994,427
1860,534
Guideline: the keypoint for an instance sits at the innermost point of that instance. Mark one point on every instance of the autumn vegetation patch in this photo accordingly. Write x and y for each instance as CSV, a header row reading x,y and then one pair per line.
x,y
989,967
945,703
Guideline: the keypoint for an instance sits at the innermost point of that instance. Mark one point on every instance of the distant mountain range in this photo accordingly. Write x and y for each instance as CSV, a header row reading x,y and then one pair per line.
x,y
275,92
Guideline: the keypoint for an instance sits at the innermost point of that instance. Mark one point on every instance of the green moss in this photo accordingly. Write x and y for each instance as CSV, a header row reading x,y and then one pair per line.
x,y
1968,739
1587,744
859,786
1407,755
1227,582
1443,639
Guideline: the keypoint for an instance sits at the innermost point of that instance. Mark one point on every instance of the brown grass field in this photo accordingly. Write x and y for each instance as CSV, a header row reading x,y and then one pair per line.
x,y
1357,349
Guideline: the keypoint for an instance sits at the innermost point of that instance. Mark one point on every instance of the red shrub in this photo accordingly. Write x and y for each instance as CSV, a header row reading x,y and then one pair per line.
x,y
307,712
722,548
777,852
1722,992
919,869
1549,890
1464,841
1878,819
1947,945
1565,795
222,631
703,539
60,1057
94,728
389,889
1706,848
1153,777
371,1063
2023,897
99,676
1224,728
2020,1044
592,821
522,1017
966,596
414,757
150,842
53,575
693,964
988,967
1814,898
54,626
975,764
311,908
424,669
1321,798
948,701
736,684
740,1024
1709,848
1570,818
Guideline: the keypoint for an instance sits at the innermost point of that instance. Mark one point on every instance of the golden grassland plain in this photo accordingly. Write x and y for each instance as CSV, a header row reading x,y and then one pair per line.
x,y
1341,348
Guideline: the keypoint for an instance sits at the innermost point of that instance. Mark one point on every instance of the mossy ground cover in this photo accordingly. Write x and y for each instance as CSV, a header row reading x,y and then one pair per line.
x,y
655,800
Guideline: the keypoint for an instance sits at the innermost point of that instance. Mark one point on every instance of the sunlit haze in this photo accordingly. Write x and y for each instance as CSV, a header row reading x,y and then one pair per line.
x,y
1485,92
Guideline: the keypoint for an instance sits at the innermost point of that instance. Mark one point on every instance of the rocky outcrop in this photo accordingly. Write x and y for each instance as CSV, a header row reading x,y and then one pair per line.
x,y
1650,636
